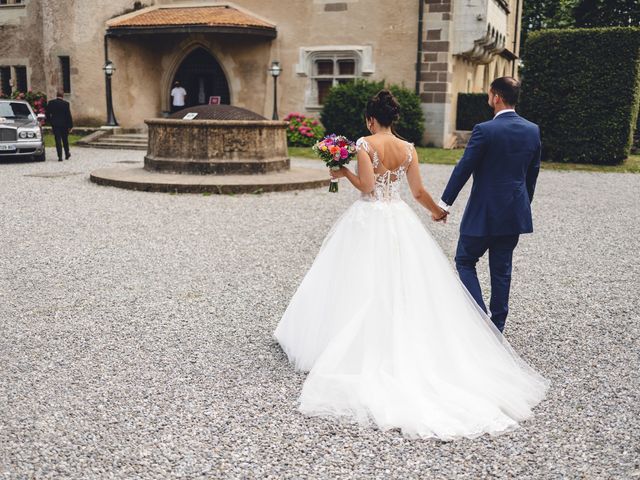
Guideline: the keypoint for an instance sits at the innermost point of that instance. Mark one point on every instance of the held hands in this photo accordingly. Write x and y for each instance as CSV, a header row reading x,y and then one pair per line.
x,y
439,215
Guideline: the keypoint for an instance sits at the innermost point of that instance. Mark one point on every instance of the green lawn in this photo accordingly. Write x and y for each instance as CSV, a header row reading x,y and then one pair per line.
x,y
450,157
49,141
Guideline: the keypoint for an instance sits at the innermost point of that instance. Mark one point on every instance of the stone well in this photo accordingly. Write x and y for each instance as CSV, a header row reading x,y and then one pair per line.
x,y
224,149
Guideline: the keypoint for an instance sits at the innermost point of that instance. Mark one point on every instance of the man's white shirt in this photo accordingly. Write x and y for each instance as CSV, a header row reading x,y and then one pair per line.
x,y
178,95
443,205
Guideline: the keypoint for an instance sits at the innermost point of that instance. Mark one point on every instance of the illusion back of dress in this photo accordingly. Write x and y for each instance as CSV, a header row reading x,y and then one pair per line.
x,y
387,181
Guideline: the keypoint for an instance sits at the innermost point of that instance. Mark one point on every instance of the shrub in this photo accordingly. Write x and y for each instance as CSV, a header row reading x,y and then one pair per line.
x,y
583,87
37,100
303,131
472,109
343,111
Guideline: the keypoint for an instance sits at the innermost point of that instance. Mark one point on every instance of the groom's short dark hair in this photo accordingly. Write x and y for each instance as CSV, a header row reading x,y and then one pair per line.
x,y
508,88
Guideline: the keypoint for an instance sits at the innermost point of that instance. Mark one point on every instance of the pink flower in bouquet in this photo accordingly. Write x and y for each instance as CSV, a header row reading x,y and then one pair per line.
x,y
314,123
344,153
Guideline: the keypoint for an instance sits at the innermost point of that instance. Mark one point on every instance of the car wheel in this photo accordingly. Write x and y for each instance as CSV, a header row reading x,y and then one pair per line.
x,y
40,158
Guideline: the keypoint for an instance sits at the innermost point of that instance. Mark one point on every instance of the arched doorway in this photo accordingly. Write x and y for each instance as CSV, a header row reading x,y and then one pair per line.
x,y
202,77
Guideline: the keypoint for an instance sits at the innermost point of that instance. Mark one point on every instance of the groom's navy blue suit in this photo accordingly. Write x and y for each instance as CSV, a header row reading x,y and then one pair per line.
x,y
503,155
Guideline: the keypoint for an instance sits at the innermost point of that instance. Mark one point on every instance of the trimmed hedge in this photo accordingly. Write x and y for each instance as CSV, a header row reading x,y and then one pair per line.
x,y
343,110
583,88
472,109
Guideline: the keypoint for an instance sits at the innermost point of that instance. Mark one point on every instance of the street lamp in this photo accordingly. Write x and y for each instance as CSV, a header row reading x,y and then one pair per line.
x,y
275,72
109,68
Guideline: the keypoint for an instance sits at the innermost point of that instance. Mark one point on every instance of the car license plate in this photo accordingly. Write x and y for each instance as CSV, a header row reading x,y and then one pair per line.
x,y
7,147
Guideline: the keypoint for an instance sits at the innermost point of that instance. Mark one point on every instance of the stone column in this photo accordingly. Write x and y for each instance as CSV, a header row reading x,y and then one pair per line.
x,y
437,71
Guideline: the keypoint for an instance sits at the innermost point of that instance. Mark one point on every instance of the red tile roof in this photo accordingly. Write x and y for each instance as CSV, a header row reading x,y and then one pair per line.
x,y
214,16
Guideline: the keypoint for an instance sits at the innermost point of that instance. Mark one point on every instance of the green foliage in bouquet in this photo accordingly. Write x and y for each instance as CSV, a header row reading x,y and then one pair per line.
x,y
343,110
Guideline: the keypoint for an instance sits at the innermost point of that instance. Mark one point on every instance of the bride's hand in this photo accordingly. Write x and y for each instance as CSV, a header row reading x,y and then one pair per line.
x,y
440,215
337,173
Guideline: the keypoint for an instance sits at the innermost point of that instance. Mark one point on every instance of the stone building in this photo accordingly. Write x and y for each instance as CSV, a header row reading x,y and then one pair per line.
x,y
224,49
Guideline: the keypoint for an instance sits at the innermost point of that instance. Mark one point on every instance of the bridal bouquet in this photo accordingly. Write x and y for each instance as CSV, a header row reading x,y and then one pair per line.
x,y
336,151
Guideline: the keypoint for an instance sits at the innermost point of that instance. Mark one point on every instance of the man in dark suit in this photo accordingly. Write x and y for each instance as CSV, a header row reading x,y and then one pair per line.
x,y
503,155
59,117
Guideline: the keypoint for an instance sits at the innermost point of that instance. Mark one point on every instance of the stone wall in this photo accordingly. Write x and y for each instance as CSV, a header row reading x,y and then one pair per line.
x,y
21,41
436,70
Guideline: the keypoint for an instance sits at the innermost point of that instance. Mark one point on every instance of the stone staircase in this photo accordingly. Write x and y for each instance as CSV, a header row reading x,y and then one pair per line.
x,y
117,138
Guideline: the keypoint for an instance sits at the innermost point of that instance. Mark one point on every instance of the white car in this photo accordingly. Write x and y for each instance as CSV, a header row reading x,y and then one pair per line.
x,y
20,131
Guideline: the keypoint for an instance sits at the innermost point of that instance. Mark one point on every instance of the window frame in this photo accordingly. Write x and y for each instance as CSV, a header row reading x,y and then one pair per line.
x,y
335,78
7,79
306,67
13,3
65,72
21,73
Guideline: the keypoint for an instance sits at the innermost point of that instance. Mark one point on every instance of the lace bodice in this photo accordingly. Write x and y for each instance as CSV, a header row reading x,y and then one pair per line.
x,y
387,186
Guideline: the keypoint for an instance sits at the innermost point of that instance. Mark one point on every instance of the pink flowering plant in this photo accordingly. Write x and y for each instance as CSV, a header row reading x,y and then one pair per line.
x,y
303,131
37,100
336,151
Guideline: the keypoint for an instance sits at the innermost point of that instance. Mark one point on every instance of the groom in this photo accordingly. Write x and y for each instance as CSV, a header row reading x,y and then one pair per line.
x,y
503,155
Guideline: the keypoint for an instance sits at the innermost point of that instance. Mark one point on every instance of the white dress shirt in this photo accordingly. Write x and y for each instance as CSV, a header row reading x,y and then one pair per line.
x,y
443,205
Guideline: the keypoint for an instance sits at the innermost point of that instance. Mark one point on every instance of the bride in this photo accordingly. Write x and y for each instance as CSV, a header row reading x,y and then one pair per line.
x,y
388,333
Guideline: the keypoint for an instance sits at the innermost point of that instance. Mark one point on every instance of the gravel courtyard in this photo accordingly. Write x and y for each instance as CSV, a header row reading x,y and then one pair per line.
x,y
136,333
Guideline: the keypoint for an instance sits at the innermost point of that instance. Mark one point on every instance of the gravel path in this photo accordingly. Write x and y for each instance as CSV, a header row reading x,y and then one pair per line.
x,y
135,334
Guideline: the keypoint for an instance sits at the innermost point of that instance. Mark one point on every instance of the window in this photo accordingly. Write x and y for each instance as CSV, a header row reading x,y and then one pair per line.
x,y
65,73
21,79
5,80
327,66
11,2
328,72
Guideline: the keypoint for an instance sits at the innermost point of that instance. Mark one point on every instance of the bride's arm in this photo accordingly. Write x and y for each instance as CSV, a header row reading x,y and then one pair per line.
x,y
365,179
420,193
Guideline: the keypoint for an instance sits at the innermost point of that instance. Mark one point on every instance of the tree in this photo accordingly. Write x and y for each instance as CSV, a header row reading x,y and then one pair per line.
x,y
607,13
541,14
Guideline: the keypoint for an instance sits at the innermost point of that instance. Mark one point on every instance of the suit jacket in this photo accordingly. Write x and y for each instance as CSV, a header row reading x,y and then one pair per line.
x,y
59,114
503,155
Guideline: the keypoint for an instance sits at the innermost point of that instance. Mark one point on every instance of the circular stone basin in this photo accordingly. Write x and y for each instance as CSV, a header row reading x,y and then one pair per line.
x,y
221,139
223,149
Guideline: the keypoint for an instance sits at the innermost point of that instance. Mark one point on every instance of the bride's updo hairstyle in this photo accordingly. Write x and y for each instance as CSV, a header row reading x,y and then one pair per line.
x,y
384,108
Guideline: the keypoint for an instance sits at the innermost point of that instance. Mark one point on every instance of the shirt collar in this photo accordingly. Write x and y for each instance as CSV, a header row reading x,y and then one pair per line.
x,y
504,111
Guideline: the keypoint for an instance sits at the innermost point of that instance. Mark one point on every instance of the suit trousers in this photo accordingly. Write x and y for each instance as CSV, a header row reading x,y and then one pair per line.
x,y
500,248
61,135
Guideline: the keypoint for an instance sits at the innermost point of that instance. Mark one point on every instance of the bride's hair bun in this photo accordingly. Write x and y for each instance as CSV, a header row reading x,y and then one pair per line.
x,y
384,108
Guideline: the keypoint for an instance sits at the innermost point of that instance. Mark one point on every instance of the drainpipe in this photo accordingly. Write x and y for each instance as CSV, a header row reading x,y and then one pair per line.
x,y
419,57
515,39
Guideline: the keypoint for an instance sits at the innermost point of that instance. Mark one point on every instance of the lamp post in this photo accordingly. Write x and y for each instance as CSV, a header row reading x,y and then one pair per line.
x,y
275,72
109,68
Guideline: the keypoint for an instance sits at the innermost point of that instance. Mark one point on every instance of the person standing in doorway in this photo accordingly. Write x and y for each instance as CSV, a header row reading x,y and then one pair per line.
x,y
58,113
178,94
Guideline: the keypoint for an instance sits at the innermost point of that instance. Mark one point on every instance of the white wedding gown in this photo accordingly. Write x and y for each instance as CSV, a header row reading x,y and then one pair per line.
x,y
390,335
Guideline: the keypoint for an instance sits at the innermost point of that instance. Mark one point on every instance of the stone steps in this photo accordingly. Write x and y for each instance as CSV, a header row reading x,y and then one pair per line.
x,y
118,141
117,146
